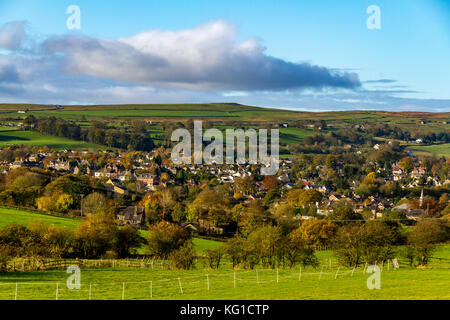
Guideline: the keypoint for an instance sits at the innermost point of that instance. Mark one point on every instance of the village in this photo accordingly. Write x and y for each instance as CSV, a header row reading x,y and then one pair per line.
x,y
132,175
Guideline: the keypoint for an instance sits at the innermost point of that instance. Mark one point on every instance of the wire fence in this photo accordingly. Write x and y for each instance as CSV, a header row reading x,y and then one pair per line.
x,y
216,283
42,264
174,287
212,283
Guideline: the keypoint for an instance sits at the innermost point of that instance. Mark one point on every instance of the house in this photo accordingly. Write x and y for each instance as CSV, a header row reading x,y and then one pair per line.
x,y
134,215
148,179
284,178
411,213
191,227
114,186
210,227
418,172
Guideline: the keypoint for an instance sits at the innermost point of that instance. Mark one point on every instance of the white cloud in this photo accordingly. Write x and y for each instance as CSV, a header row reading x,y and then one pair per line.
x,y
204,58
12,35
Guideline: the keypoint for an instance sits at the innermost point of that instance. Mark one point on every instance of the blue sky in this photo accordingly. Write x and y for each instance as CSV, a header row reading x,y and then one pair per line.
x,y
321,54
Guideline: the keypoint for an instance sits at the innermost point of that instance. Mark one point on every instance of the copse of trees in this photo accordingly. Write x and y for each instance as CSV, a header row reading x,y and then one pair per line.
x,y
423,239
98,236
270,247
98,133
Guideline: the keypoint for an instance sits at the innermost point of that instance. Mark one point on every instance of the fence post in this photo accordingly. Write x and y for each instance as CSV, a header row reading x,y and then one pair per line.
x,y
151,289
353,271
56,298
335,277
300,274
257,276
277,275
207,281
234,279
123,291
90,290
179,282
15,293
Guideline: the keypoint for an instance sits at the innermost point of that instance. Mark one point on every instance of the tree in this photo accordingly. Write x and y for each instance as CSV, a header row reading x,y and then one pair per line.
x,y
94,203
126,239
255,216
377,242
348,245
63,202
423,238
210,204
303,197
233,249
95,236
314,232
406,163
165,237
183,258
214,257
267,241
270,182
345,215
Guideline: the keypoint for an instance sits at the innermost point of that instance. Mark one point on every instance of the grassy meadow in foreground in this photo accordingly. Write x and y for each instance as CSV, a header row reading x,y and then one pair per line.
x,y
404,283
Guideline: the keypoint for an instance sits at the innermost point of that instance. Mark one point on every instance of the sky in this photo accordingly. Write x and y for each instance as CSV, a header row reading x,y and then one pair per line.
x,y
304,55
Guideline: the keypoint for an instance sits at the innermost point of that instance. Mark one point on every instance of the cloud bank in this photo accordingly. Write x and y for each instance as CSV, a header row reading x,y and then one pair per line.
x,y
202,64
206,57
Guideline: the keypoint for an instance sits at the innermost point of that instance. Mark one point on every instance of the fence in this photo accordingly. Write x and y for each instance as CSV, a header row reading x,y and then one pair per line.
x,y
37,264
175,287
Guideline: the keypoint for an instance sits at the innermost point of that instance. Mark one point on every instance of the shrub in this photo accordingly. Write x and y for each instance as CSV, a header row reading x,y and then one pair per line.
x,y
164,238
214,257
183,258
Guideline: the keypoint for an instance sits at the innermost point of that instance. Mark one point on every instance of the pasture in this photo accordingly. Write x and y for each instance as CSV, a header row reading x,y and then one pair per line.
x,y
13,136
436,149
25,217
328,281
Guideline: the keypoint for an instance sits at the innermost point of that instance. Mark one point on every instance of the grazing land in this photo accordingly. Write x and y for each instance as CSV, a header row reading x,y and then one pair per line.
x,y
309,283
11,136
436,149
24,217
222,114
225,111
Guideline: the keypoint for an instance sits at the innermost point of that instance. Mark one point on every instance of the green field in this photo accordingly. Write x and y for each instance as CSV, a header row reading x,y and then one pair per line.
x,y
437,149
405,283
229,114
11,136
145,283
24,217
227,111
